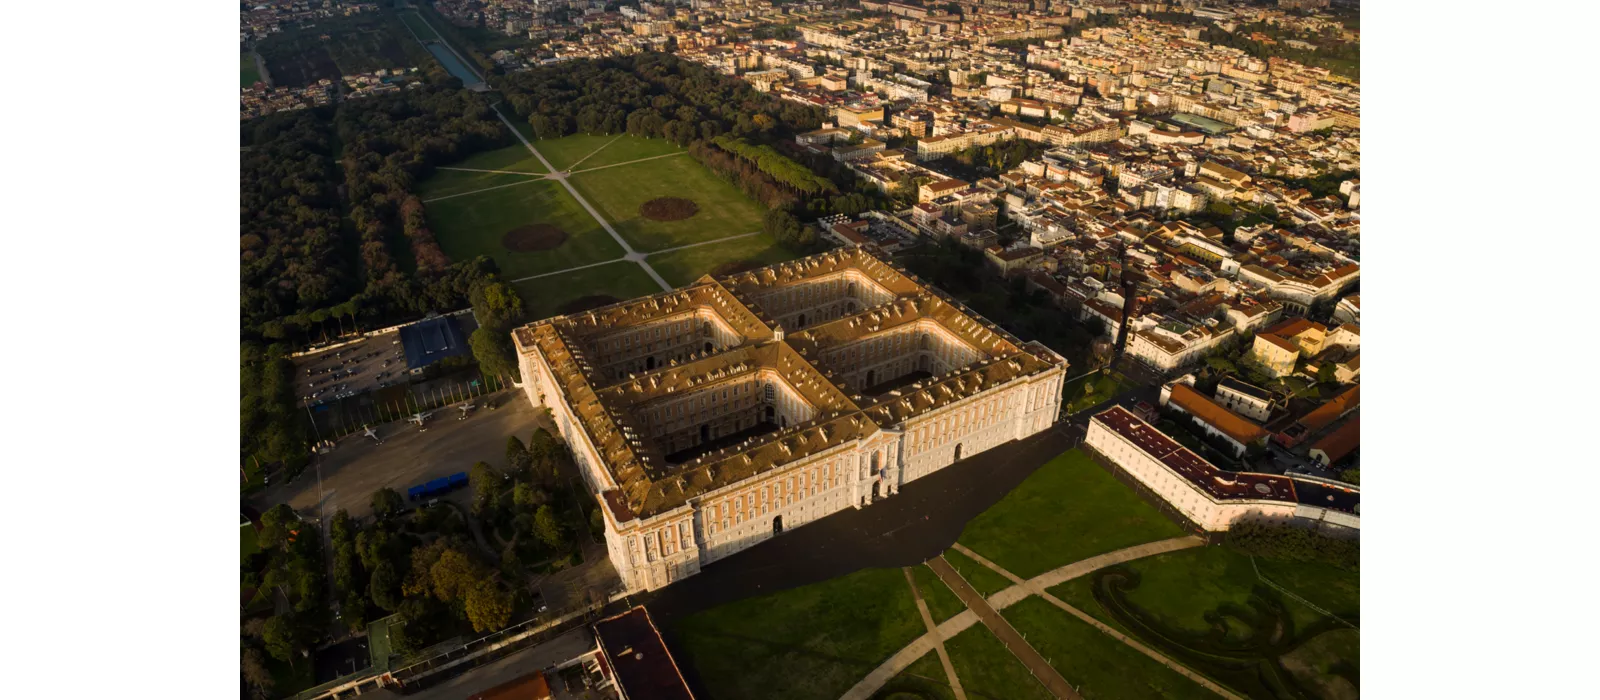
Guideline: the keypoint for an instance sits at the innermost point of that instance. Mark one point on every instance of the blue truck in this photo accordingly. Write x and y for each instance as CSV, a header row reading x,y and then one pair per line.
x,y
437,487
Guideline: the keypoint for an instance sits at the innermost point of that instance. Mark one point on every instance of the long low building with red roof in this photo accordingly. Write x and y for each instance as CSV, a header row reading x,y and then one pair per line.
x,y
1213,498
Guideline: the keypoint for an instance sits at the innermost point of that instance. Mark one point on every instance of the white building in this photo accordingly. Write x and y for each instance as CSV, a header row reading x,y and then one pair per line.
x,y
713,417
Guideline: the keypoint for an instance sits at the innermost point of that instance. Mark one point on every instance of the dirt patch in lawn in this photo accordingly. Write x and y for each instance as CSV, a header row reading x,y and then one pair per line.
x,y
593,301
735,267
668,209
524,239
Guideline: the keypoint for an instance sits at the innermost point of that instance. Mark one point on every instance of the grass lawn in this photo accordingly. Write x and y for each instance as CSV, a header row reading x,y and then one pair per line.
x,y
1105,386
922,680
444,183
474,224
248,546
812,642
516,158
942,602
987,669
565,151
248,75
1070,509
422,30
984,580
628,148
544,297
680,267
1099,666
617,192
1329,662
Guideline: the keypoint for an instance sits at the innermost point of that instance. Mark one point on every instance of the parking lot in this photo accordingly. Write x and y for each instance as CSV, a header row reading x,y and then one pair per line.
x,y
368,364
358,465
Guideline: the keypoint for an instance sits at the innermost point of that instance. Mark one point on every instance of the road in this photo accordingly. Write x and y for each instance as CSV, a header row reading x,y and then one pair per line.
x,y
357,467
1002,629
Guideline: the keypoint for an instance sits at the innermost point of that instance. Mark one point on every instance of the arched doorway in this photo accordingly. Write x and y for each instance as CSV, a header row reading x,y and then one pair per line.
x,y
876,486
708,347
801,323
958,452
777,526
705,436
771,414
650,362
871,374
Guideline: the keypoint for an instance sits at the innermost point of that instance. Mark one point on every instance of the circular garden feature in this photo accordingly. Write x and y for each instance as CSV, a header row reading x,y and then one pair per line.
x,y
535,237
668,209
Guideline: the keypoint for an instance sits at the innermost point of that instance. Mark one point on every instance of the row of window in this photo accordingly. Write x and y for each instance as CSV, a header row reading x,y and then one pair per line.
x,y
736,509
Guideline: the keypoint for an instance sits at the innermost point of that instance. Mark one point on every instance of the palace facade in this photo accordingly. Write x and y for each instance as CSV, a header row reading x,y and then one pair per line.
x,y
711,418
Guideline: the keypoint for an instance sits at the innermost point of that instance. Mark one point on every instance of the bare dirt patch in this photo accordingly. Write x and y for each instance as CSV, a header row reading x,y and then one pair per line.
x,y
593,301
668,209
523,239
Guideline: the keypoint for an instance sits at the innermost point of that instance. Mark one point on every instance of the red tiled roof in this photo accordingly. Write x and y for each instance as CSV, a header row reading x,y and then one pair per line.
x,y
1324,415
1206,477
1341,442
1233,425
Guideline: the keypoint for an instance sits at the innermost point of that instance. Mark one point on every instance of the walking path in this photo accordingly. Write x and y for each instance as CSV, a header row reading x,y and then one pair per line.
x,y
501,172
570,171
1009,636
938,642
632,254
533,178
591,153
626,258
902,659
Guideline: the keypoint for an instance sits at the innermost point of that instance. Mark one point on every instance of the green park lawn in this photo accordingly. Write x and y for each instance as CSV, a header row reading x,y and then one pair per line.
x,y
450,183
1183,592
941,601
627,148
420,28
812,642
248,75
1089,391
515,157
1068,510
1099,666
248,546
474,225
565,151
988,670
618,192
680,267
544,297
924,679
984,580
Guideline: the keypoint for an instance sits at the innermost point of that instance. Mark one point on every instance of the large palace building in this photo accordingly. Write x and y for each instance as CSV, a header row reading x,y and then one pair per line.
x,y
712,417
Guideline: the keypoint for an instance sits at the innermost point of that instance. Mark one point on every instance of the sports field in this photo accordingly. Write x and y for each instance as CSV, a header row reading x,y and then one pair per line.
x,y
568,292
619,192
477,224
248,75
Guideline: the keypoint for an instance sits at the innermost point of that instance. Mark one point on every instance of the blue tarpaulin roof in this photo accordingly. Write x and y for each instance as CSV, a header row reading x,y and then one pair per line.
x,y
430,340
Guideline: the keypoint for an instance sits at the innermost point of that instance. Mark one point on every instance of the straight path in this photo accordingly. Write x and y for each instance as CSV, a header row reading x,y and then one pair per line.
x,y
701,243
902,659
570,171
591,153
482,170
933,630
532,178
632,254
1008,635
626,258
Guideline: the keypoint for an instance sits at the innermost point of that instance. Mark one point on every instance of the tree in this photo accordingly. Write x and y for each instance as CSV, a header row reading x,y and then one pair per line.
x,y
488,606
1328,373
526,497
548,529
486,483
493,352
253,666
277,526
280,639
384,588
1351,476
386,503
517,458
453,575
